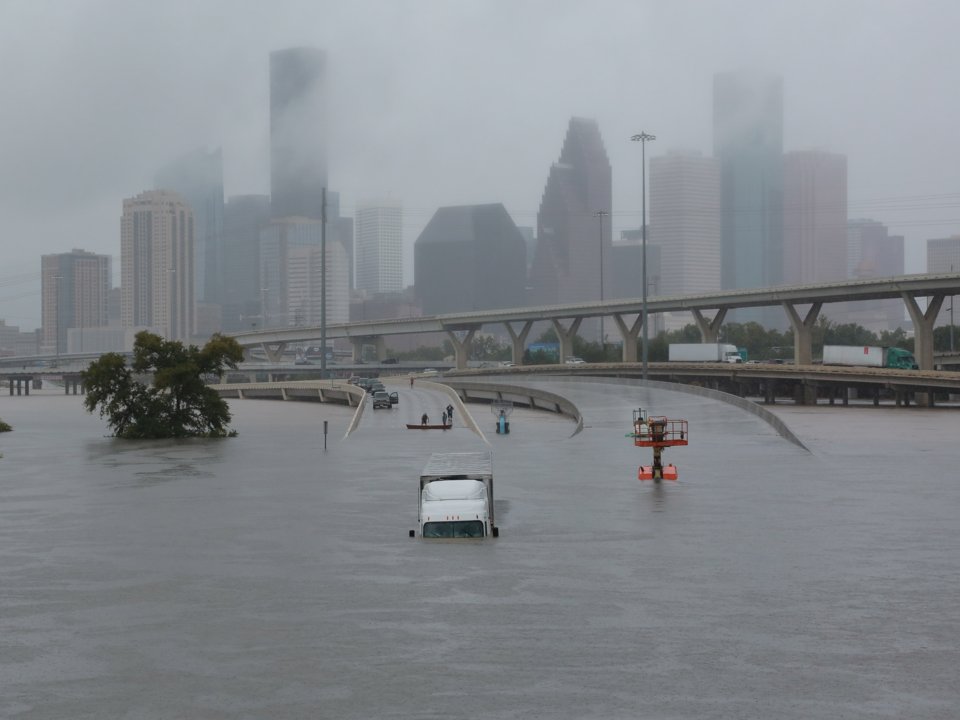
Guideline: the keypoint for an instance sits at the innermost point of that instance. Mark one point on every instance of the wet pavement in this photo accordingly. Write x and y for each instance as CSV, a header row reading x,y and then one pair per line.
x,y
262,576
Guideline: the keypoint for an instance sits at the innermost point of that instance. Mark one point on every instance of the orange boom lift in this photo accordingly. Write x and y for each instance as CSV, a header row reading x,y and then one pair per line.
x,y
657,433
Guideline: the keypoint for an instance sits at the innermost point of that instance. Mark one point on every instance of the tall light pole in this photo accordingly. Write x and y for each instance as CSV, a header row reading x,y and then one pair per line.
x,y
323,283
603,341
951,316
56,311
643,138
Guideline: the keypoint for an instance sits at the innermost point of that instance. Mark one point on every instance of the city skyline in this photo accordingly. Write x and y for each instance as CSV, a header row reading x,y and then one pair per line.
x,y
397,137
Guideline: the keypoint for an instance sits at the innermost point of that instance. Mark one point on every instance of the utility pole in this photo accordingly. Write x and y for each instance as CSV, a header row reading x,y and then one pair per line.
x,y
643,138
323,284
603,340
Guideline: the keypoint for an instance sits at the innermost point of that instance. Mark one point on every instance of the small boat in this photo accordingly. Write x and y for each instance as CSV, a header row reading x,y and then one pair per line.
x,y
418,426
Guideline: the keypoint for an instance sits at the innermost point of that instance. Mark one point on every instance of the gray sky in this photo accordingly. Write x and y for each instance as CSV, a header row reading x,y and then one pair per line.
x,y
440,102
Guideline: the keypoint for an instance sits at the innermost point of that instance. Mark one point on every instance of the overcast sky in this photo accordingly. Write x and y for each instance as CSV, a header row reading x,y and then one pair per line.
x,y
441,102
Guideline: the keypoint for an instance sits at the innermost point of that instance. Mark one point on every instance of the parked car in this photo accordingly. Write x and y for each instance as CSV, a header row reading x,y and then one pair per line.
x,y
394,398
573,360
381,400
390,361
430,372
376,386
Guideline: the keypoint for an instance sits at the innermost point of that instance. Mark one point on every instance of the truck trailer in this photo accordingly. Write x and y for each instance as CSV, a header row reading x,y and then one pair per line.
x,y
704,352
869,356
456,497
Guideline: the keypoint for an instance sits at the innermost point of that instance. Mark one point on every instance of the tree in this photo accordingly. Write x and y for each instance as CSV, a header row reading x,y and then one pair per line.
x,y
4,427
178,403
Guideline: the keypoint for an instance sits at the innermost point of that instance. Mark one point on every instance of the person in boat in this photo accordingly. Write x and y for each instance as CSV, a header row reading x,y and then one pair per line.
x,y
424,419
443,418
450,413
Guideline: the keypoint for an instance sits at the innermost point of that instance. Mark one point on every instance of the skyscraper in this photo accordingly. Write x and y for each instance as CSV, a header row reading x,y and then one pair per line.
x,y
290,274
685,222
198,179
74,291
156,261
814,217
748,142
470,257
298,157
570,238
943,255
243,218
872,252
379,245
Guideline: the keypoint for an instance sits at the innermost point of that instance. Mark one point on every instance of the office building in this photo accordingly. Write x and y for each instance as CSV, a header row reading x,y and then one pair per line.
x,y
470,257
814,217
570,239
243,218
685,222
379,246
74,290
298,154
872,252
291,277
198,179
748,143
156,262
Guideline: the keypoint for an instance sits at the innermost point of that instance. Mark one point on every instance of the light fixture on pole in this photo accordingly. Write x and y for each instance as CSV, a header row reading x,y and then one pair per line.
x,y
643,138
603,340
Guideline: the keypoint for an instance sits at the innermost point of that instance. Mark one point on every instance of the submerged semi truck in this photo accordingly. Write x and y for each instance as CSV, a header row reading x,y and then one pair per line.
x,y
869,356
456,497
704,352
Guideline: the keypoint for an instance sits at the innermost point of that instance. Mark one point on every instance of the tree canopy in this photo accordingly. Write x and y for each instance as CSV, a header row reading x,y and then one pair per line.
x,y
177,403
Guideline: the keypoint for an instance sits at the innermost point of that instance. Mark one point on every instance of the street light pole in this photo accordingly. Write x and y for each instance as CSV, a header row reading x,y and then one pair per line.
x,y
323,283
603,340
643,138
56,312
951,317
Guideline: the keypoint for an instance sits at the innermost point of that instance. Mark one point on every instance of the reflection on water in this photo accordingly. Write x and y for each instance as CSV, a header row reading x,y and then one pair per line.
x,y
260,576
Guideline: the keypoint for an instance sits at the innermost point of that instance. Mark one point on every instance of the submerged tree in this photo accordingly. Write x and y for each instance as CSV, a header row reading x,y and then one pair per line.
x,y
178,403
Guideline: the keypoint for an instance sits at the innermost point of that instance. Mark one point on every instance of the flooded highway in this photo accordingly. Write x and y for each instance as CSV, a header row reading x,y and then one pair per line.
x,y
263,577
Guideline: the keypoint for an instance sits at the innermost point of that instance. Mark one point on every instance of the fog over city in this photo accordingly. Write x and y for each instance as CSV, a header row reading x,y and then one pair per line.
x,y
446,102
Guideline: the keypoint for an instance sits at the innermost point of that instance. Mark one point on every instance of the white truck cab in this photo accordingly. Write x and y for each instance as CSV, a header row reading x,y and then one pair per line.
x,y
456,497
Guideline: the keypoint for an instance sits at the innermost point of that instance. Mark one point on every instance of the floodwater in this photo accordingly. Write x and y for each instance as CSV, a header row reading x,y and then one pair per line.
x,y
266,577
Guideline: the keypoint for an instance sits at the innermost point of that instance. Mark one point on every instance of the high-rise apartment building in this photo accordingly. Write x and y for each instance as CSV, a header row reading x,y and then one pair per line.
x,y
198,179
156,261
872,252
814,217
748,142
685,222
298,157
572,240
243,218
291,259
470,257
379,245
74,290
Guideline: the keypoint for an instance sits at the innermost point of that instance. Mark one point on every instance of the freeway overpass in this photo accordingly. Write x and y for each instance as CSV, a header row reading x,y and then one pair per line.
x,y
802,305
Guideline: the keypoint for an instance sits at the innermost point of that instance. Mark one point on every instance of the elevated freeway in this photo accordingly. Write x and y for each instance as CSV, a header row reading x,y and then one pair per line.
x,y
802,305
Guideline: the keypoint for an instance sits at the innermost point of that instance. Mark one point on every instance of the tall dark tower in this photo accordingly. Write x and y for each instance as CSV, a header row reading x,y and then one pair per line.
x,y
298,157
748,142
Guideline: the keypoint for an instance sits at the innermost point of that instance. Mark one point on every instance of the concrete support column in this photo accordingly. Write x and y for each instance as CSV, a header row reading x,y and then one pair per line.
x,y
629,336
356,349
274,351
566,336
519,340
380,347
709,329
802,335
923,328
461,348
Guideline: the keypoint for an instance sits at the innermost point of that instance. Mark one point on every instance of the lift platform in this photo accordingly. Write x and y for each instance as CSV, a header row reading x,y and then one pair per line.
x,y
658,433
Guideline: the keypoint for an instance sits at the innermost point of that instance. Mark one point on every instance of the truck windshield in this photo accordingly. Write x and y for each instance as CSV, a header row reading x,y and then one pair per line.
x,y
454,529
